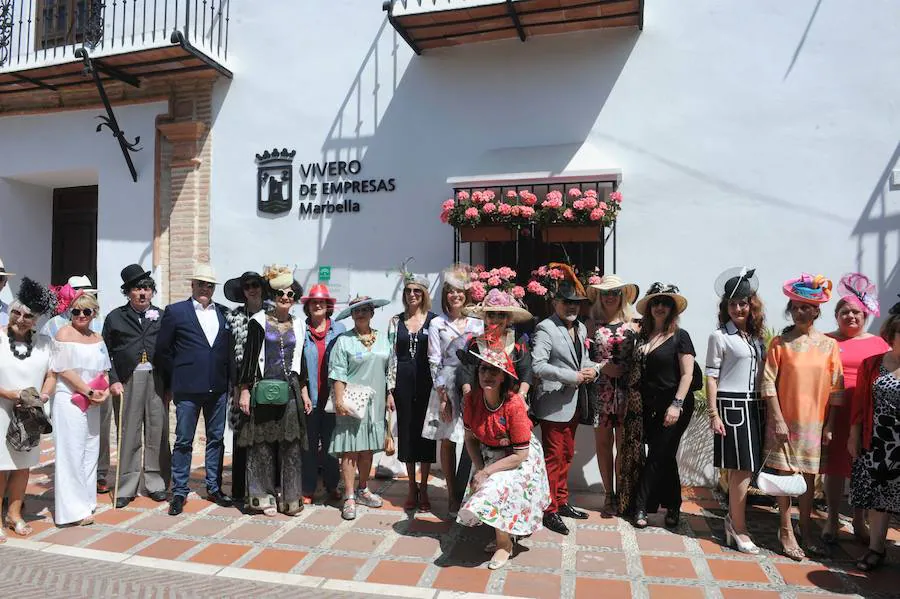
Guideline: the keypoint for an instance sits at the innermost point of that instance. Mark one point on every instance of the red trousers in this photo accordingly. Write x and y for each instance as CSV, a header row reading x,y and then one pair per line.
x,y
558,439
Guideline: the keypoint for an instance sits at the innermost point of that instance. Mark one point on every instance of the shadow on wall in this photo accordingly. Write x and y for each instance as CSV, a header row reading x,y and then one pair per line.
x,y
446,115
878,229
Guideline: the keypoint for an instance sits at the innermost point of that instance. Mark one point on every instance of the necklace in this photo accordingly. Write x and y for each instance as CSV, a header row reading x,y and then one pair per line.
x,y
413,340
368,340
29,347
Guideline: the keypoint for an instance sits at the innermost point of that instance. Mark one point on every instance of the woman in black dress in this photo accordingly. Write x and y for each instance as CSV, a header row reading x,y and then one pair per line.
x,y
408,336
665,357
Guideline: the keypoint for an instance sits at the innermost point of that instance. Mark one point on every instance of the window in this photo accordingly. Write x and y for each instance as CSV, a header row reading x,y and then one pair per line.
x,y
62,22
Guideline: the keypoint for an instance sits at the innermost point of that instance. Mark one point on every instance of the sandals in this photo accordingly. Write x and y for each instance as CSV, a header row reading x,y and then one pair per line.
x,y
871,560
412,500
348,512
795,553
424,503
20,527
640,519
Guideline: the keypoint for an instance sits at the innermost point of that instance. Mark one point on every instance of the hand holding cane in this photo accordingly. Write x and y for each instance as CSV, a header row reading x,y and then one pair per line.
x,y
119,422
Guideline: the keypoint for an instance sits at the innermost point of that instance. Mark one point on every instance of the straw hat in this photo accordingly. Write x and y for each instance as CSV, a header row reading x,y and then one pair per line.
x,y
659,290
4,272
630,291
808,289
498,301
361,302
204,272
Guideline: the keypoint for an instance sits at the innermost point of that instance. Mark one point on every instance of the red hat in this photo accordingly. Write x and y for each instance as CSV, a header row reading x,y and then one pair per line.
x,y
319,291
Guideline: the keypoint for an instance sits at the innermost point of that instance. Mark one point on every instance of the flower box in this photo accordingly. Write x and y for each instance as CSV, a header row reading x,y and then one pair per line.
x,y
571,233
487,233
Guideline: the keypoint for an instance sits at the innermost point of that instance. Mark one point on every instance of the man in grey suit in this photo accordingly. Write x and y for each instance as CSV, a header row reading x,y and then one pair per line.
x,y
560,360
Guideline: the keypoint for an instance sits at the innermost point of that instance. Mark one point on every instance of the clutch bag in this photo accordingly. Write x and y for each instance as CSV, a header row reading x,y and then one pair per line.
x,y
780,485
356,400
98,384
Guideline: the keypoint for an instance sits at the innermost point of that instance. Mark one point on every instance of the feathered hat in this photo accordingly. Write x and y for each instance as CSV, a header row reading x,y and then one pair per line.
x,y
278,277
36,297
411,279
458,276
570,288
858,289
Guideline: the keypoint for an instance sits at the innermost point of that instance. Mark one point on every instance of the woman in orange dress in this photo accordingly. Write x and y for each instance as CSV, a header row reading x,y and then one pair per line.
x,y
803,376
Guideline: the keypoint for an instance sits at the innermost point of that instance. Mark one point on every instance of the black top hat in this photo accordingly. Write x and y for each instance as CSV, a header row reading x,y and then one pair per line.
x,y
233,287
132,274
568,292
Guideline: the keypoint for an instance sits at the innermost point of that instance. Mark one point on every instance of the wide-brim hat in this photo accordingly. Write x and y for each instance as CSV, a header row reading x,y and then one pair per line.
x,y
204,272
234,288
568,291
630,291
319,291
498,301
4,272
662,290
495,356
131,274
361,302
808,289
738,282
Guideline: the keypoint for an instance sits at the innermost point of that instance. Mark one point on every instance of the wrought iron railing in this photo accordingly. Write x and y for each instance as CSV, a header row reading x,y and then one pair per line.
x,y
43,32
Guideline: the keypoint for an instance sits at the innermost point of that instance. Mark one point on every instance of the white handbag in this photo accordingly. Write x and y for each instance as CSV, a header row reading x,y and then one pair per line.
x,y
780,485
356,400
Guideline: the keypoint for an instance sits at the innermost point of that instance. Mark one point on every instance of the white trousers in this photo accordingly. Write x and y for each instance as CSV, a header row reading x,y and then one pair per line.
x,y
77,438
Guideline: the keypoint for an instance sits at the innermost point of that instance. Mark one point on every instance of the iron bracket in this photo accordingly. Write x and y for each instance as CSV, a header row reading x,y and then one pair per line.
x,y
515,19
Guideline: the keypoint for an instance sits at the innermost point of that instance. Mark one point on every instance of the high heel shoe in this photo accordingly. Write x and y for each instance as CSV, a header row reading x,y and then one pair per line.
x,y
795,553
732,539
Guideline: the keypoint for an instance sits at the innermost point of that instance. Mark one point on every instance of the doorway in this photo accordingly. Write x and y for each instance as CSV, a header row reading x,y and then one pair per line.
x,y
74,233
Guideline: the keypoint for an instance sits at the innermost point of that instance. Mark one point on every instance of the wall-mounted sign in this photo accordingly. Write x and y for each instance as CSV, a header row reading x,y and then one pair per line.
x,y
325,188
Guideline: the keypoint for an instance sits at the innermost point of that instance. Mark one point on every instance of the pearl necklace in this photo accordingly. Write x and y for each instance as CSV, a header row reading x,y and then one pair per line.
x,y
28,345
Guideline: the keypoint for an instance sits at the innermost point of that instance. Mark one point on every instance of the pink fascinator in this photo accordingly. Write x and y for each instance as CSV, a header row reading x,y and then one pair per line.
x,y
858,288
65,295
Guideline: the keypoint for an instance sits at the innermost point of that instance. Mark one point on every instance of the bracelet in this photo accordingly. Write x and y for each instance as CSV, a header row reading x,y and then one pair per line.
x,y
677,403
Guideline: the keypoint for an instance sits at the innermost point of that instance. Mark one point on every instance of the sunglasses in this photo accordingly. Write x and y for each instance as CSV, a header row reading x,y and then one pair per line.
x,y
21,314
252,285
611,292
288,293
206,284
82,311
411,291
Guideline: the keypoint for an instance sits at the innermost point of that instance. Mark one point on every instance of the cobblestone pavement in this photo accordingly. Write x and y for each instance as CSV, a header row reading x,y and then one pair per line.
x,y
601,558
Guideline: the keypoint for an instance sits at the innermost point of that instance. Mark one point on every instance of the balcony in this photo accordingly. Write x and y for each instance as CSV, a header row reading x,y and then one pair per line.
x,y
46,44
427,24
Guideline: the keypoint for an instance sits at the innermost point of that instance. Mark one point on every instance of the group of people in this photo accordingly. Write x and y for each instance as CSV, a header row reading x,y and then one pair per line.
x,y
311,399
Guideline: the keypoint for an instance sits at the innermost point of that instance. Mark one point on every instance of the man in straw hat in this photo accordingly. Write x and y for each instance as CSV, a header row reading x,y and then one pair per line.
x,y
4,307
193,358
142,418
560,360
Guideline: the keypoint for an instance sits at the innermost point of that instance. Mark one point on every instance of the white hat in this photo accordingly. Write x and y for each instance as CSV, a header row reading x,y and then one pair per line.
x,y
204,272
82,283
3,271
629,291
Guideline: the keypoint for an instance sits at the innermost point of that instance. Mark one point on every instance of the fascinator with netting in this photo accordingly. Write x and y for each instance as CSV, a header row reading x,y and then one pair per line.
x,y
858,289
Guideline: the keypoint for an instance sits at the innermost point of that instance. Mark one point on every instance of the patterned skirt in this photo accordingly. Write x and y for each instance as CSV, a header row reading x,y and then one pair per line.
x,y
745,421
435,428
875,480
513,500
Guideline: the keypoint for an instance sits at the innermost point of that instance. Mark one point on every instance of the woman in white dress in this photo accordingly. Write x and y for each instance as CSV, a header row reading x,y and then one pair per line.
x,y
449,332
81,361
24,365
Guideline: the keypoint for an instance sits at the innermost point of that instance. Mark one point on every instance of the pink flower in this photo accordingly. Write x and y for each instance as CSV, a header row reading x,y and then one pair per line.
x,y
504,209
536,288
477,197
590,193
603,206
552,202
484,275
518,292
568,214
595,280
554,196
152,314
528,198
445,216
574,192
511,195
488,195
472,213
527,211
477,290
506,272
489,208
516,210
589,203
597,214
495,281
448,205
557,274
462,196
578,204
616,197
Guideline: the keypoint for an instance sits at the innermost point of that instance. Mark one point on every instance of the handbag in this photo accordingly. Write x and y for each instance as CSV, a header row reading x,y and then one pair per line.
x,y
696,378
389,445
780,485
270,392
98,384
356,400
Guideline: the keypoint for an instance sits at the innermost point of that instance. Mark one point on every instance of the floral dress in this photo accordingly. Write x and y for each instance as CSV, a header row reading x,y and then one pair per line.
x,y
610,343
511,500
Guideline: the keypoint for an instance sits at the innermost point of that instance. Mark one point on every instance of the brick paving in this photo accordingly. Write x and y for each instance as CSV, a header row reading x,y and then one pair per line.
x,y
602,557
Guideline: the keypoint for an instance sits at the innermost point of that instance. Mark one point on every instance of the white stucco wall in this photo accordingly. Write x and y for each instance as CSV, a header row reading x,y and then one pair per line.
x,y
63,150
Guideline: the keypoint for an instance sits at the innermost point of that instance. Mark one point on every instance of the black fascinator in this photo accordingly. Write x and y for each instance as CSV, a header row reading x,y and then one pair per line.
x,y
36,297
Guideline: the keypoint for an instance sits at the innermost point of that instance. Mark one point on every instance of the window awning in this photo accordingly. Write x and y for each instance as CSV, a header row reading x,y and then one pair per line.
x,y
426,24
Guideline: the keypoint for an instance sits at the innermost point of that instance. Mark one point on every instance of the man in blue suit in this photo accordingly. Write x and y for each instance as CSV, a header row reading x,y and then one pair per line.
x,y
192,356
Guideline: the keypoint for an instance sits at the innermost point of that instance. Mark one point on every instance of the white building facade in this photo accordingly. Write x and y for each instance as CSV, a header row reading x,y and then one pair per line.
x,y
739,133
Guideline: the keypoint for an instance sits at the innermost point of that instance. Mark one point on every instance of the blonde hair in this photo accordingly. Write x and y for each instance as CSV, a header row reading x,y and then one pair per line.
x,y
86,300
426,298
625,313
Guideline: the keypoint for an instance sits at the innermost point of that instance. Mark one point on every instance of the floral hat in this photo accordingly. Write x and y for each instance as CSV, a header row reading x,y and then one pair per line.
x,y
808,289
278,277
858,289
458,276
65,295
498,301
360,301
495,356
662,289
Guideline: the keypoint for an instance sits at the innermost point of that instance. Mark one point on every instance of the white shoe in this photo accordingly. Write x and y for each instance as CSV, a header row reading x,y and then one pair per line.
x,y
733,540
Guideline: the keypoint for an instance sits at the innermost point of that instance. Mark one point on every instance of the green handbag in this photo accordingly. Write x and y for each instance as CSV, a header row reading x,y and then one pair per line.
x,y
269,392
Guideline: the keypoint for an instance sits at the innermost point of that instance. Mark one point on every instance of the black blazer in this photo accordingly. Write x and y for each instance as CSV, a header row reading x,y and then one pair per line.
x,y
184,357
126,338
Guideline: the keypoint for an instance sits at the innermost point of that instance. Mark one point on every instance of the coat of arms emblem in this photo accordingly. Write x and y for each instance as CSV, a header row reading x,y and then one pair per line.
x,y
274,181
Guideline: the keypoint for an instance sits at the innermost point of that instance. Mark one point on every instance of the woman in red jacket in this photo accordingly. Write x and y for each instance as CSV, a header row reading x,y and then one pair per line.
x,y
874,441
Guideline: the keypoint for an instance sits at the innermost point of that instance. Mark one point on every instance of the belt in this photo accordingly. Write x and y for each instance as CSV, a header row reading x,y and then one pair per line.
x,y
748,395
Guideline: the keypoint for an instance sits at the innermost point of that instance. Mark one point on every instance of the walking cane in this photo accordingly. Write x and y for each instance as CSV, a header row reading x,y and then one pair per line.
x,y
119,447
